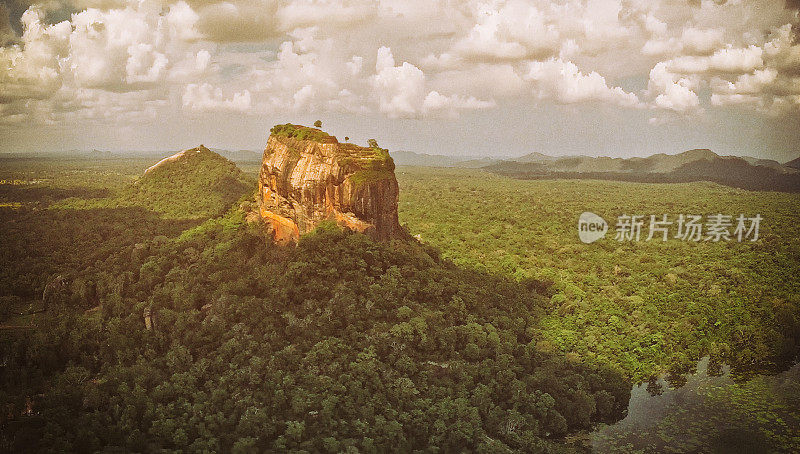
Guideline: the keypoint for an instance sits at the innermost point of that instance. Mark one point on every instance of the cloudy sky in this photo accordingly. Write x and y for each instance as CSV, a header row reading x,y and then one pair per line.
x,y
597,77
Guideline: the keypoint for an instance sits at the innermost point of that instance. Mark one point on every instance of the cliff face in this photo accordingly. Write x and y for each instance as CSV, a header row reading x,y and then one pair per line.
x,y
307,177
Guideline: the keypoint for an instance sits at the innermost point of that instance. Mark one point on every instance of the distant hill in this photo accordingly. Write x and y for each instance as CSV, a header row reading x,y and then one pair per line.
x,y
410,158
477,163
195,183
766,163
692,165
536,157
794,164
240,156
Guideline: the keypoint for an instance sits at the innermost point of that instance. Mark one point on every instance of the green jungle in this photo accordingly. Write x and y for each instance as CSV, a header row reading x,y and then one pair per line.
x,y
151,313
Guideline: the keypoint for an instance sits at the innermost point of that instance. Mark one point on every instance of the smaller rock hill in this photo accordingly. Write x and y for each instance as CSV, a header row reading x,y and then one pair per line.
x,y
307,177
194,183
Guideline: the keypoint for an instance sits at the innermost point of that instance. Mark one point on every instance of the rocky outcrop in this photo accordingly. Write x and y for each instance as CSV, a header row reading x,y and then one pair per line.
x,y
192,184
185,155
307,177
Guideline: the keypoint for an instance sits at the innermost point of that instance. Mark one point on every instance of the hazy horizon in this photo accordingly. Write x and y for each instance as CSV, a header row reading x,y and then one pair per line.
x,y
161,152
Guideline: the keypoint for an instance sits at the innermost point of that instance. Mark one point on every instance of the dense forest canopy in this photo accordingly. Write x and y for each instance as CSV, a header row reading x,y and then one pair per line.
x,y
650,307
158,332
156,323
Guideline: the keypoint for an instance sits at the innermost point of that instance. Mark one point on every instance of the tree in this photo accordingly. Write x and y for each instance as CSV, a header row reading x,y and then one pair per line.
x,y
373,143
346,138
318,124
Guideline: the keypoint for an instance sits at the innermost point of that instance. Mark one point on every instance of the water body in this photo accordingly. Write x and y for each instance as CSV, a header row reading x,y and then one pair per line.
x,y
710,413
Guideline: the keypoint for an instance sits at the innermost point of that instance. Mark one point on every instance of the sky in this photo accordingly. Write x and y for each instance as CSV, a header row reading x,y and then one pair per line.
x,y
472,78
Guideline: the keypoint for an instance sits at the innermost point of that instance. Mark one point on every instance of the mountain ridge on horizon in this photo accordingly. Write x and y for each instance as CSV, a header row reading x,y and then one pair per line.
x,y
402,157
689,166
405,157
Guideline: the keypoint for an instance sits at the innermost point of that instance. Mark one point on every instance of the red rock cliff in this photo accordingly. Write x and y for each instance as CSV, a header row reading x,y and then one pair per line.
x,y
307,177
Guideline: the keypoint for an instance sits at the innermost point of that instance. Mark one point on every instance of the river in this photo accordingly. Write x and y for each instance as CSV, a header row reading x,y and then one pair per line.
x,y
709,413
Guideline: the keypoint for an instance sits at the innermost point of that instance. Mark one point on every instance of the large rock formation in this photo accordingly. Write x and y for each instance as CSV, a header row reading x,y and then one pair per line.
x,y
307,177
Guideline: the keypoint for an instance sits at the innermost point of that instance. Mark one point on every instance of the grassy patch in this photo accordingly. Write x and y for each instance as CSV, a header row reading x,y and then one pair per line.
x,y
301,133
363,177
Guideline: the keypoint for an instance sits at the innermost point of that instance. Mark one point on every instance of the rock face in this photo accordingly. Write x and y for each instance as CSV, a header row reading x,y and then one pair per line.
x,y
307,177
185,154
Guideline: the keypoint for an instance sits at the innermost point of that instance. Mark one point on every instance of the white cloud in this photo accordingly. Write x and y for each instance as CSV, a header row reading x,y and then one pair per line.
x,y
31,70
763,76
722,46
355,64
205,98
144,65
692,41
678,97
305,56
193,67
751,84
701,41
402,91
500,34
736,60
104,46
97,57
783,50
654,25
770,82
671,91
450,105
660,46
718,99
566,83
308,75
516,30
182,22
